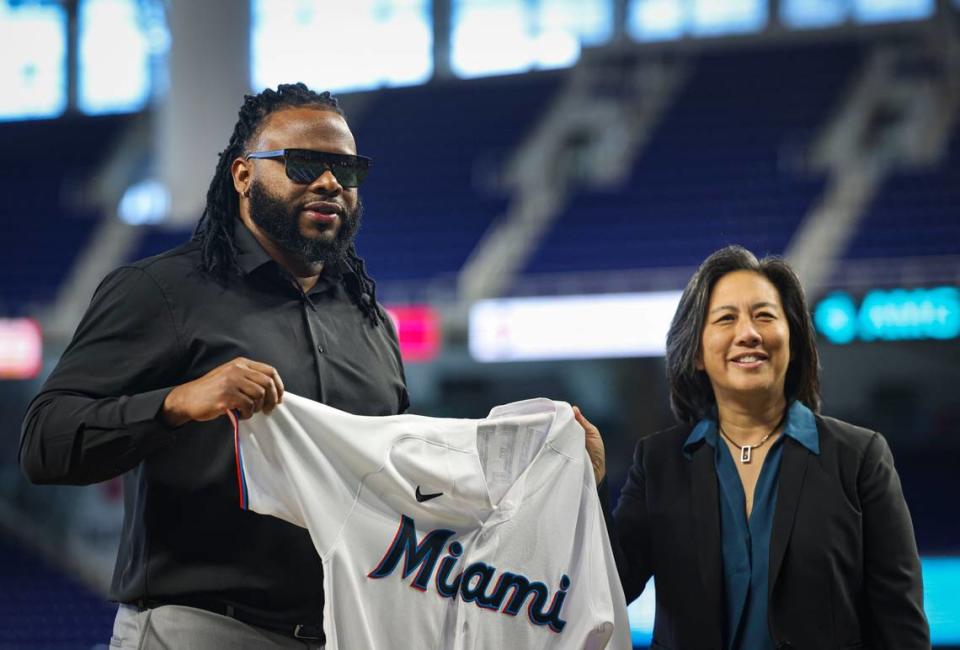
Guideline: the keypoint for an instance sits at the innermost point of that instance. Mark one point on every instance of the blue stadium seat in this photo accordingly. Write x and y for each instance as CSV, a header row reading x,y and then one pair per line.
x,y
916,213
44,609
41,230
425,206
156,240
716,170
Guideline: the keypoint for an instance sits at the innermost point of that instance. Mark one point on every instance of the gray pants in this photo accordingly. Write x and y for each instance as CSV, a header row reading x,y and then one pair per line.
x,y
173,627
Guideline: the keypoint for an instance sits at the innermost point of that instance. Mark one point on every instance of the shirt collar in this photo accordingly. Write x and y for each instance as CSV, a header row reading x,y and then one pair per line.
x,y
801,426
704,431
251,256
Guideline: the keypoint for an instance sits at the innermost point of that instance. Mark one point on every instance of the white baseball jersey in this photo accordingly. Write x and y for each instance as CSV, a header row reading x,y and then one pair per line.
x,y
442,533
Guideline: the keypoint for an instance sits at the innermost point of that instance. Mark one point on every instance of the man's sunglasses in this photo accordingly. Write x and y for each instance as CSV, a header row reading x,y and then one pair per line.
x,y
306,165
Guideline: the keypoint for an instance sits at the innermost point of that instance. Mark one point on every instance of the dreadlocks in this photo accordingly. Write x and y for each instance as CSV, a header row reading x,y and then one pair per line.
x,y
215,231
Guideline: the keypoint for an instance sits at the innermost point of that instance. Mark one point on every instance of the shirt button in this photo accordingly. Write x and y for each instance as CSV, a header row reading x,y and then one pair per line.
x,y
320,349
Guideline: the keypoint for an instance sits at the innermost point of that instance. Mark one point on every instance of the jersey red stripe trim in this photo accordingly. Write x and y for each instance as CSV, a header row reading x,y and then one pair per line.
x,y
241,482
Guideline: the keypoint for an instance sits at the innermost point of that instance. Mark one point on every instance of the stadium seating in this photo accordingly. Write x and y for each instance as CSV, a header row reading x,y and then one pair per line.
x,y
435,149
155,240
916,213
722,167
43,226
44,609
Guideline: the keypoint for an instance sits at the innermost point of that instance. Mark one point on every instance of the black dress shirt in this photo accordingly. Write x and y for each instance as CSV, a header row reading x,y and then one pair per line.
x,y
159,323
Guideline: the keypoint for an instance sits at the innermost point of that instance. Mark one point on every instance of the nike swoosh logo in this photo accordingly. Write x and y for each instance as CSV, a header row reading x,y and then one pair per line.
x,y
421,497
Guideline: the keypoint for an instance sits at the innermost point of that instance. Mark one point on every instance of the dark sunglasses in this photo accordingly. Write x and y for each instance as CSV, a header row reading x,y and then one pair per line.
x,y
306,165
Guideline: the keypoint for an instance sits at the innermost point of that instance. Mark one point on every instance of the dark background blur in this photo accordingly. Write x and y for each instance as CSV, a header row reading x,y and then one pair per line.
x,y
524,149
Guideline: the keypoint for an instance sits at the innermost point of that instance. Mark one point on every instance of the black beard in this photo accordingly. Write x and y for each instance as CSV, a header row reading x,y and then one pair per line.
x,y
281,223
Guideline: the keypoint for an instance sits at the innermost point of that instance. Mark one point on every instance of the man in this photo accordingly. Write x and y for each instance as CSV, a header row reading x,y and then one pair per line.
x,y
269,296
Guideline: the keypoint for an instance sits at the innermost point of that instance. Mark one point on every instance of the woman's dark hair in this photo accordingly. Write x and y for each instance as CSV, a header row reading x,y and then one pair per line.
x,y
215,231
691,395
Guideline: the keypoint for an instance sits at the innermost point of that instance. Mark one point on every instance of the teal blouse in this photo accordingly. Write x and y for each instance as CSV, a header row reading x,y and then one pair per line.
x,y
746,542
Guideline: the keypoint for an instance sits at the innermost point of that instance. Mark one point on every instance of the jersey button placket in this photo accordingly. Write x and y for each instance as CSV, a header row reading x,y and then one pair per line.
x,y
465,611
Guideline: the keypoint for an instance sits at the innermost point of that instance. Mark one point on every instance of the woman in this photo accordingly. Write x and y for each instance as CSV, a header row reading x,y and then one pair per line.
x,y
765,524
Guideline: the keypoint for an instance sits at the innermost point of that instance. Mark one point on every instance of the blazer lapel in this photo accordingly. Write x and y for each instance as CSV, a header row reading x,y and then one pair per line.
x,y
793,468
706,515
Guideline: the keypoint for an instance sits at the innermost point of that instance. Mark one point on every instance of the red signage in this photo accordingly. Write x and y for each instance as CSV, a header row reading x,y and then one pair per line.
x,y
418,328
21,348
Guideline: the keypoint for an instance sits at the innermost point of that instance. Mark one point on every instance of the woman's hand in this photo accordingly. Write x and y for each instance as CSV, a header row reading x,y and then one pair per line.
x,y
594,444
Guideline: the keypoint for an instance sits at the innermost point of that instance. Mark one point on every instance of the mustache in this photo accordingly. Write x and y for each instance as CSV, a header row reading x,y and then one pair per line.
x,y
324,205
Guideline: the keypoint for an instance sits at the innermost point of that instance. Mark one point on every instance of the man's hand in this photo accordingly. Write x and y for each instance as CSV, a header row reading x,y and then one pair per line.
x,y
243,385
594,444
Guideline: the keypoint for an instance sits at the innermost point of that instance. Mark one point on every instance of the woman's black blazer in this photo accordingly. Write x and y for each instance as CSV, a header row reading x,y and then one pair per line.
x,y
844,569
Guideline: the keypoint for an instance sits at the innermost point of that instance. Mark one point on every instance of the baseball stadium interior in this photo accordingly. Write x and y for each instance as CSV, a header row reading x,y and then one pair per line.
x,y
547,175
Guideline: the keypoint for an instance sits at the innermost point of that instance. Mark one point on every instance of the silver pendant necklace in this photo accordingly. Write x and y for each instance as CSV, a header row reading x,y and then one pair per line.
x,y
746,451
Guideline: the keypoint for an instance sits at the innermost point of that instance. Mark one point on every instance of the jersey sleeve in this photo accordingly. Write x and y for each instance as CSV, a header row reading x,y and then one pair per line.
x,y
305,463
608,603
